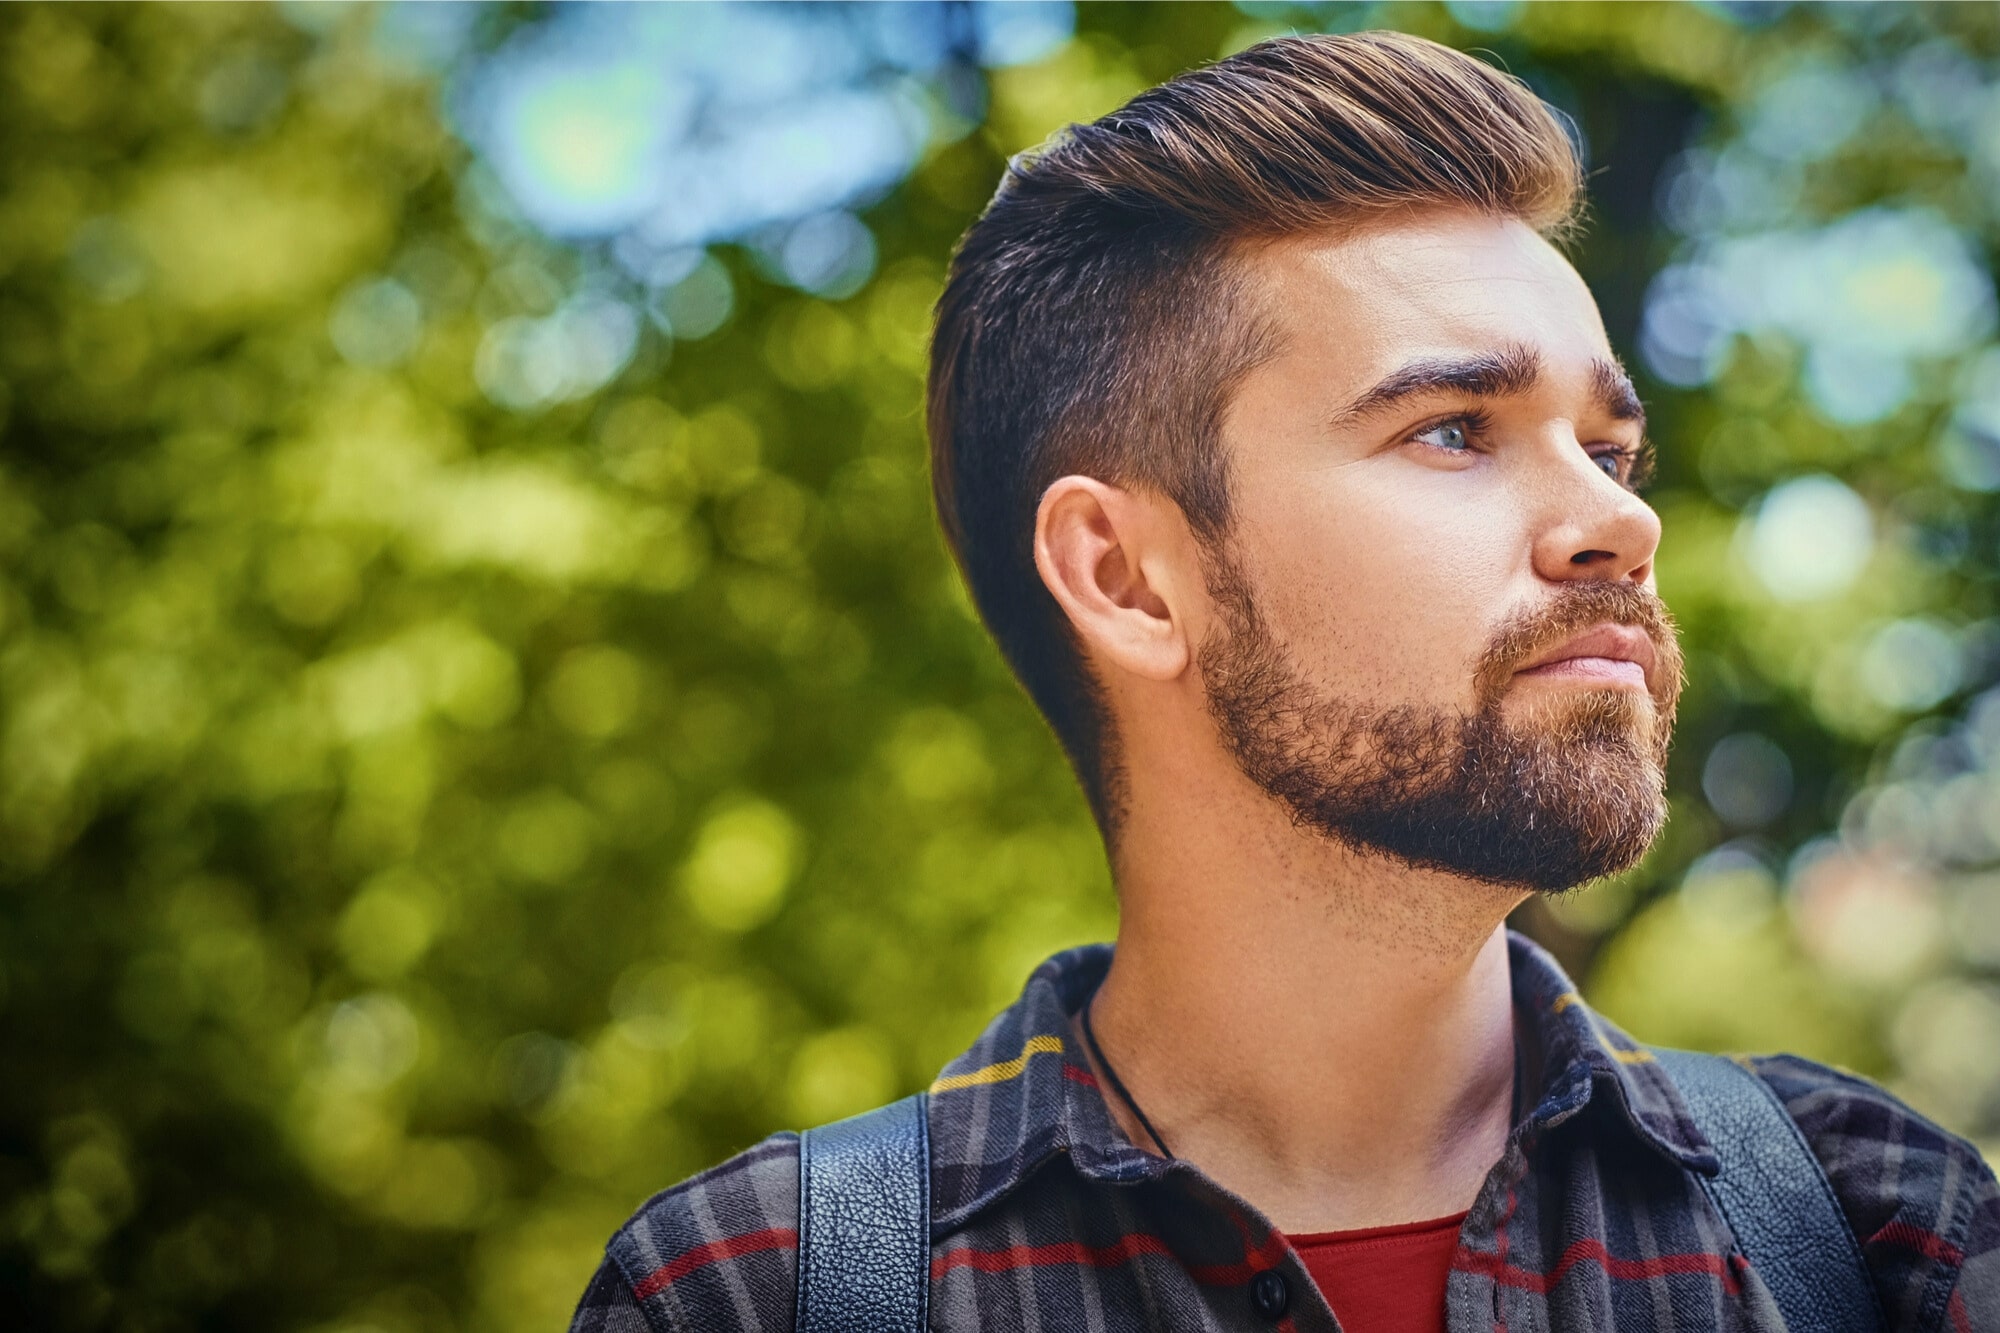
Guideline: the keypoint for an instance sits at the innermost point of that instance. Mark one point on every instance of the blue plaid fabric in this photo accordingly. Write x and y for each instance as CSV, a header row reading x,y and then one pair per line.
x,y
1046,1218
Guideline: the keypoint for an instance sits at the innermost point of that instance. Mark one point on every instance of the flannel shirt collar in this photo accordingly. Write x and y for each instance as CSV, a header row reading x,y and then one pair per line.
x,y
1024,1094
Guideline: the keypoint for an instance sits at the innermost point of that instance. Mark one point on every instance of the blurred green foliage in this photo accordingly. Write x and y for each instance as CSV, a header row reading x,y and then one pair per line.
x,y
428,824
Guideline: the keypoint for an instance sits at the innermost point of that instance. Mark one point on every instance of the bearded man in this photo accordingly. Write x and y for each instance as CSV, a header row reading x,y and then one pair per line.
x,y
1289,465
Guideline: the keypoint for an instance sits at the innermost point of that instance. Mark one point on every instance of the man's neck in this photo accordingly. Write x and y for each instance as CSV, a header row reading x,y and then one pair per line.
x,y
1329,1035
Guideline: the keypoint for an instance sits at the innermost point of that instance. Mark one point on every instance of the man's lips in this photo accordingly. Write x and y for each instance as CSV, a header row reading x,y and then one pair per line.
x,y
1606,654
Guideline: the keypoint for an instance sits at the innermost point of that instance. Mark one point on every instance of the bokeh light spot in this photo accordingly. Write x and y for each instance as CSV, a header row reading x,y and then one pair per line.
x,y
744,859
839,1073
1809,539
1911,665
1747,779
595,690
376,323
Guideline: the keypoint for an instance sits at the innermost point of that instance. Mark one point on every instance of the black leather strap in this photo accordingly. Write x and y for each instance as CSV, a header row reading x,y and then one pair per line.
x,y
865,1222
1775,1197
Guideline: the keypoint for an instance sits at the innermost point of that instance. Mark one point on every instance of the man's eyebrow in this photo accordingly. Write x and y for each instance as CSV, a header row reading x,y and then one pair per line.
x,y
1615,393
1510,370
1491,375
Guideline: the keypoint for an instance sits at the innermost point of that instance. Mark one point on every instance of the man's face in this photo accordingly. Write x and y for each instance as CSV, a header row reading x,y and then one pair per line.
x,y
1436,630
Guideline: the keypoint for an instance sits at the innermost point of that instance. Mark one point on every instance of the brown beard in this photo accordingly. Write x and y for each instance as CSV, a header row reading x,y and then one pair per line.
x,y
1574,792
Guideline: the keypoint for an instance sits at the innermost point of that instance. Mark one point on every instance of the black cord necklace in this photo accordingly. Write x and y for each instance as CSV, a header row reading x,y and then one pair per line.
x,y
1118,1084
1125,1095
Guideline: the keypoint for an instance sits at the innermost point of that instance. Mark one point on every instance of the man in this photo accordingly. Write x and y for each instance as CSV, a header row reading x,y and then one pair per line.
x,y
1290,467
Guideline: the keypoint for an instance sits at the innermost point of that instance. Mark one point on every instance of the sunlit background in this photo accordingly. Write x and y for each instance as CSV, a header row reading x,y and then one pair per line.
x,y
487,727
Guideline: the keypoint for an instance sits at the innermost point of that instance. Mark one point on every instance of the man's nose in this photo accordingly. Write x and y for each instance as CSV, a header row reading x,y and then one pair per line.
x,y
1595,528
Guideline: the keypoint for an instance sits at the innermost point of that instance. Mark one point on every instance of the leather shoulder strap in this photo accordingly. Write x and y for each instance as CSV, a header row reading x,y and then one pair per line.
x,y
1775,1197
865,1222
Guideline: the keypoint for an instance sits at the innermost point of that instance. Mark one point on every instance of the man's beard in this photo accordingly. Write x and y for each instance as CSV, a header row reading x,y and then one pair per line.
x,y
1571,791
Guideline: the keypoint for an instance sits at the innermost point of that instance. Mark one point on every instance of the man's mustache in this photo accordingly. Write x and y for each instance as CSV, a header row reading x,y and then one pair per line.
x,y
1572,610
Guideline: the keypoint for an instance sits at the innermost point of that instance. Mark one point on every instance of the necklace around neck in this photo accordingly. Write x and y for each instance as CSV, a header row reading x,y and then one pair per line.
x,y
1118,1084
1520,1090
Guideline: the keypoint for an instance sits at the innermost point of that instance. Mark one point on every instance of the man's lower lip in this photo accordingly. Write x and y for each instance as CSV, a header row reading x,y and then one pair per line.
x,y
1592,670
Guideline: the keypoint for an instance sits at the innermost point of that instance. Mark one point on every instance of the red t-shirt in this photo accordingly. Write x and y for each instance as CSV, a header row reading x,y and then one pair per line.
x,y
1384,1279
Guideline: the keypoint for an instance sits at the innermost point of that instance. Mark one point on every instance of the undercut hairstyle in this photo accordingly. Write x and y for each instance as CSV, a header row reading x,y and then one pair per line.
x,y
1096,318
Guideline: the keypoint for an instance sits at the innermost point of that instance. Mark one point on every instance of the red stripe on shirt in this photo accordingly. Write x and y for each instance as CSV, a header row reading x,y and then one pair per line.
x,y
1593,1250
1229,1275
1078,1074
1927,1243
731,1247
1124,1251
1258,1256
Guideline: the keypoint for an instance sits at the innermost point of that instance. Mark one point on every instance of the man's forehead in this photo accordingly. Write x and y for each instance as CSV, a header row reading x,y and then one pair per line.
x,y
1452,284
1410,247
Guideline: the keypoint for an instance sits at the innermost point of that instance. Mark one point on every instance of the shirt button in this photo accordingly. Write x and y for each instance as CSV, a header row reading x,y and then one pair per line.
x,y
1271,1294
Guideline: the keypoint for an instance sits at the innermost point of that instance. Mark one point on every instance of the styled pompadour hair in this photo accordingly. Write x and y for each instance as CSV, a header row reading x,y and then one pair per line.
x,y
1095,320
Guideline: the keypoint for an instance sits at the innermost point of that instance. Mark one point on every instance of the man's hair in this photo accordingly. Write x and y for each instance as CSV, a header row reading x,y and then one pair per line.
x,y
1095,321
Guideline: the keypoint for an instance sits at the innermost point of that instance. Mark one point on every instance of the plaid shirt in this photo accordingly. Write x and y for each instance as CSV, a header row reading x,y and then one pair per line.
x,y
1045,1217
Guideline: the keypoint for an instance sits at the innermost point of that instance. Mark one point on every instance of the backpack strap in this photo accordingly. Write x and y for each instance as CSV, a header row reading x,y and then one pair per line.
x,y
865,1222
1775,1197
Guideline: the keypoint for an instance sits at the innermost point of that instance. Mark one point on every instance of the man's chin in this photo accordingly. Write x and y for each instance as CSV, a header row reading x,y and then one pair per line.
x,y
1542,787
1569,793
1549,706
1560,854
1584,723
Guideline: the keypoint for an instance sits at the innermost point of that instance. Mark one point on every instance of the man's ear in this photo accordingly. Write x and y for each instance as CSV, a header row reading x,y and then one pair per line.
x,y
1107,555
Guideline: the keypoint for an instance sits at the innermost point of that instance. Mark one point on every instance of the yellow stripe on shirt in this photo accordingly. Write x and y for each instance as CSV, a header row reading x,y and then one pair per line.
x,y
1638,1057
1003,1071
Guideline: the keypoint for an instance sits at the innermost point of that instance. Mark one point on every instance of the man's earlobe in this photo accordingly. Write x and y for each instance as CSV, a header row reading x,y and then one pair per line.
x,y
1107,556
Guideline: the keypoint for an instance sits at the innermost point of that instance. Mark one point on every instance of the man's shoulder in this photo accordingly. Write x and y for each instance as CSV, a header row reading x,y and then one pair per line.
x,y
718,1251
1922,1201
1867,1135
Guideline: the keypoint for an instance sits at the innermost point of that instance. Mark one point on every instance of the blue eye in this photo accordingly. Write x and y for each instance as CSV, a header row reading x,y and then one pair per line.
x,y
1448,435
1611,465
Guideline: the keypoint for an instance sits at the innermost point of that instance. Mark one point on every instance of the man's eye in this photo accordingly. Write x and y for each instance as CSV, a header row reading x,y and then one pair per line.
x,y
1611,464
1453,435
